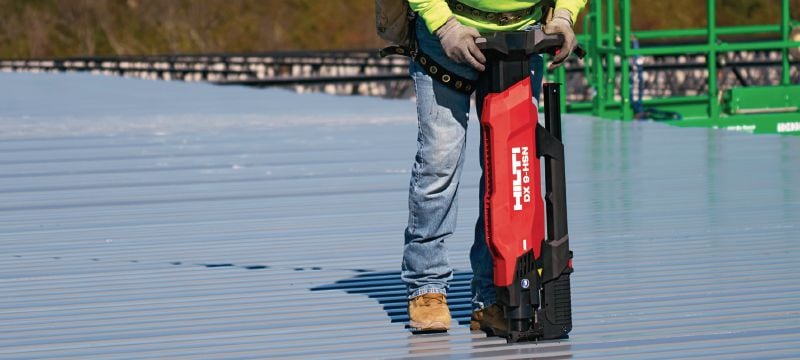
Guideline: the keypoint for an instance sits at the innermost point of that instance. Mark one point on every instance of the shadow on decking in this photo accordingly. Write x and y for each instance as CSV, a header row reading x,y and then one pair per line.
x,y
390,292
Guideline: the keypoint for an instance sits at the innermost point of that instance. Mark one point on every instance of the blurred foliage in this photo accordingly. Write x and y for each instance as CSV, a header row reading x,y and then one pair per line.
x,y
63,28
681,14
60,28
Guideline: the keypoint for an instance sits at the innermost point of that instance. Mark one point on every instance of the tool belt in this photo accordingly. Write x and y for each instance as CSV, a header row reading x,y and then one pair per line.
x,y
432,68
439,72
498,18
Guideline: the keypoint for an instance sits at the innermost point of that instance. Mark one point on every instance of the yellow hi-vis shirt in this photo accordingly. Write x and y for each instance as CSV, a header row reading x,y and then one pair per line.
x,y
436,12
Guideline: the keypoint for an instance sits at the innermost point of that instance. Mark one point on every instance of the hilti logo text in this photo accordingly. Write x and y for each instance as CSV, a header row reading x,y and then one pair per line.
x,y
520,178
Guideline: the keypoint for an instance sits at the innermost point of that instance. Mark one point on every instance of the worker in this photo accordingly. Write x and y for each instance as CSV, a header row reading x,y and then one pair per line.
x,y
445,32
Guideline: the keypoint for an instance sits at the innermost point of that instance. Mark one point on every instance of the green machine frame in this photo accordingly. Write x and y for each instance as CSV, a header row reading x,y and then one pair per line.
x,y
758,109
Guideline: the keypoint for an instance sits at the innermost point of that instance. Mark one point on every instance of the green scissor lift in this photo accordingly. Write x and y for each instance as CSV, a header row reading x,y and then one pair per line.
x,y
759,109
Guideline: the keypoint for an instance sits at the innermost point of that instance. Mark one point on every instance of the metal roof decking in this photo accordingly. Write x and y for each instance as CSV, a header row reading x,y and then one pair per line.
x,y
163,220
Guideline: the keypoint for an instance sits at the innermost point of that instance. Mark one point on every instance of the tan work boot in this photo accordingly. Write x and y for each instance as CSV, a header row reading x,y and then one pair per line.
x,y
489,319
429,312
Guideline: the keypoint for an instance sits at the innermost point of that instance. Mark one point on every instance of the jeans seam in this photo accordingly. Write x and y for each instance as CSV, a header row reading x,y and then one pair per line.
x,y
417,158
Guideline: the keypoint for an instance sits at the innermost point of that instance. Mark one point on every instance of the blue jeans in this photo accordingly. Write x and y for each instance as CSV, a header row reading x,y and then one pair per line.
x,y
442,115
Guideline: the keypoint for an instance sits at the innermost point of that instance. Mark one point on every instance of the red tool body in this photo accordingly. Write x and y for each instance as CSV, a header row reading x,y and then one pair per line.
x,y
513,209
526,229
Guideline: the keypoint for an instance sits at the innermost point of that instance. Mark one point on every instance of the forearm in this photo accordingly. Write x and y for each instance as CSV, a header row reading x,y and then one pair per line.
x,y
434,12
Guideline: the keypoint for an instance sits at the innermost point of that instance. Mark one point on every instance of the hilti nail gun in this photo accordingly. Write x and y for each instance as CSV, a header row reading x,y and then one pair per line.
x,y
531,271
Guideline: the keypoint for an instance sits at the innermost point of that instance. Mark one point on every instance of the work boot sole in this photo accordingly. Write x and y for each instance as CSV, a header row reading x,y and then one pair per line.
x,y
433,326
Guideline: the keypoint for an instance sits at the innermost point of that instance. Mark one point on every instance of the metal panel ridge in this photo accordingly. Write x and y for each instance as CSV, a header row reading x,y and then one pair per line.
x,y
136,236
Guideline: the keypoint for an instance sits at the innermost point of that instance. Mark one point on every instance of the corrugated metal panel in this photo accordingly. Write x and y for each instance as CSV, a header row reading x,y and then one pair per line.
x,y
159,220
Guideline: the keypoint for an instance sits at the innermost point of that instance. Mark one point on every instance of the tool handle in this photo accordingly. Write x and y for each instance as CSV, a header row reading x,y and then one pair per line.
x,y
516,44
579,51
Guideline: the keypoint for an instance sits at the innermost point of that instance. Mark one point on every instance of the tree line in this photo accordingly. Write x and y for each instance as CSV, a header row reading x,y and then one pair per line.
x,y
65,28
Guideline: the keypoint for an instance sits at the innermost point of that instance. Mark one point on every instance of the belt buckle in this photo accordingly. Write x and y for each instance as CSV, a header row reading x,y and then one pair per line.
x,y
506,18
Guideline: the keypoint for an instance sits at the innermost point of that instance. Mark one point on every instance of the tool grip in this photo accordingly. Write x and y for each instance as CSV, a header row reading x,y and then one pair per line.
x,y
516,44
554,43
579,51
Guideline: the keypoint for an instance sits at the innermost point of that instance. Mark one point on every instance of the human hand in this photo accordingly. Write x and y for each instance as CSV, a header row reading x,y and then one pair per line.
x,y
561,24
458,42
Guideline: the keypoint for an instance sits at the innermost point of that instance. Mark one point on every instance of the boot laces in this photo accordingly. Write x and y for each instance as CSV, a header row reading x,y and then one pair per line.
x,y
432,299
